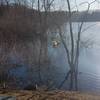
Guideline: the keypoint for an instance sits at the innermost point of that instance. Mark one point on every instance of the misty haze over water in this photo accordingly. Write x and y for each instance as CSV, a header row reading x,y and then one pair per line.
x,y
89,66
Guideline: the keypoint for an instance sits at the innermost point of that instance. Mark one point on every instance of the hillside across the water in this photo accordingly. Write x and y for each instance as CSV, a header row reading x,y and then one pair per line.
x,y
90,16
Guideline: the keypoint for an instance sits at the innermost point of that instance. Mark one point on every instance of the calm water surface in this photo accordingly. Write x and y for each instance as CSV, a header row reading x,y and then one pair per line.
x,y
89,66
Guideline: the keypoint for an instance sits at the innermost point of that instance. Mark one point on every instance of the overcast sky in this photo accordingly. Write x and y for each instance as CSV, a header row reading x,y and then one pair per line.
x,y
61,4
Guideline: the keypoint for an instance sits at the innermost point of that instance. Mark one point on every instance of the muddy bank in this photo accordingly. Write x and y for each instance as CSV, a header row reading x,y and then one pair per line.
x,y
48,95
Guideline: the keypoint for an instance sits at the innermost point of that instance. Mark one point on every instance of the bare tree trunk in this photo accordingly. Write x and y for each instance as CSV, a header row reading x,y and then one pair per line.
x,y
71,81
40,52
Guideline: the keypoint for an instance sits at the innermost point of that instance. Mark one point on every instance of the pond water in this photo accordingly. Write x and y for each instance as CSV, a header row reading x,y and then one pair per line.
x,y
89,62
55,72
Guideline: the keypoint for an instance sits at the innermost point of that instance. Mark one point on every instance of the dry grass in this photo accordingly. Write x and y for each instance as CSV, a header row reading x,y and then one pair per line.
x,y
49,95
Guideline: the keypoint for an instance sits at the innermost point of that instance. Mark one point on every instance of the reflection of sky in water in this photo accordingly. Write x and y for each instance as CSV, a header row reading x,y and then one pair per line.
x,y
89,62
58,56
89,59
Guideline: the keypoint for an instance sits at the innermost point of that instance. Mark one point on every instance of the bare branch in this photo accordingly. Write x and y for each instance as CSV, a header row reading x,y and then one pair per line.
x,y
71,33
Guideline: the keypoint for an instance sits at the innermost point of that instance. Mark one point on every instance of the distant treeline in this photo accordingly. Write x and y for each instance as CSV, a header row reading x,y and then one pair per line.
x,y
21,22
21,25
91,16
20,32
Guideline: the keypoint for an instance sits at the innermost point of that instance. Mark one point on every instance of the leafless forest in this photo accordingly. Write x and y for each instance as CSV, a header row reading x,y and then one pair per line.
x,y
25,26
